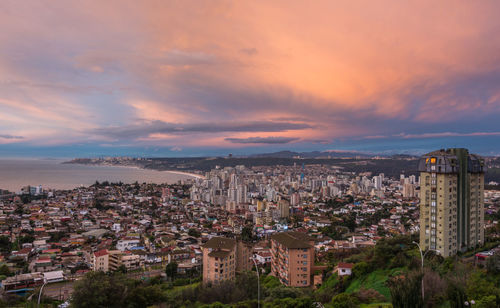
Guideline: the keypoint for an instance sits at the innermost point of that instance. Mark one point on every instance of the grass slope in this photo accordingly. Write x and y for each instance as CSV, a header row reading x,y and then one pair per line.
x,y
375,280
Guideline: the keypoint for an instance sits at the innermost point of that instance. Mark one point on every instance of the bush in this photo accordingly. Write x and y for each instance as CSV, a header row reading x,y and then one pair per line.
x,y
367,296
270,282
360,269
406,290
284,292
304,302
344,300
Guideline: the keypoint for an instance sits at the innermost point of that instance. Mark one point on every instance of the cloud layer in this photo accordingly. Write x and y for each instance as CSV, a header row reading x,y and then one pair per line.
x,y
190,75
265,140
4,136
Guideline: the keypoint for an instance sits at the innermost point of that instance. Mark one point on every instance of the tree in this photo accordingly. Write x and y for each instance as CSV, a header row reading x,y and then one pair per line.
x,y
246,234
26,239
194,233
4,270
350,221
406,290
493,263
360,269
5,244
344,300
145,296
478,287
122,269
455,293
97,289
487,302
171,269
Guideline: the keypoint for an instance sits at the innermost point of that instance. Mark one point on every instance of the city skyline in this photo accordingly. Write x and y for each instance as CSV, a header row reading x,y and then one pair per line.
x,y
195,79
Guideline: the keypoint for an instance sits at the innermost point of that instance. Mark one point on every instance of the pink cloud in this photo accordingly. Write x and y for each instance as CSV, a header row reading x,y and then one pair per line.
x,y
346,69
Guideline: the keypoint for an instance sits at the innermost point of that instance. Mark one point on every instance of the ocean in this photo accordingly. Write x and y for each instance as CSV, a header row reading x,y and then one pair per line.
x,y
51,173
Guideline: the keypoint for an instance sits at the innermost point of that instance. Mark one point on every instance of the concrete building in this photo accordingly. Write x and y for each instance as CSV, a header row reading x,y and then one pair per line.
x,y
219,260
244,253
451,201
292,258
223,257
106,260
127,243
408,190
295,199
284,208
100,260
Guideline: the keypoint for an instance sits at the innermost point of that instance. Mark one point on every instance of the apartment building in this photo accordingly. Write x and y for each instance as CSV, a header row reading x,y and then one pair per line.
x,y
110,260
219,259
224,257
244,254
292,258
451,201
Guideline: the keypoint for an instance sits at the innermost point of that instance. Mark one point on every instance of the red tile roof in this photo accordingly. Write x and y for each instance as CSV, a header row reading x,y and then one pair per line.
x,y
100,253
345,265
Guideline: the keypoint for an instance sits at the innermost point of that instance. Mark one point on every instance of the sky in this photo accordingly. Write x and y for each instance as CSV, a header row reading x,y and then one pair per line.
x,y
194,78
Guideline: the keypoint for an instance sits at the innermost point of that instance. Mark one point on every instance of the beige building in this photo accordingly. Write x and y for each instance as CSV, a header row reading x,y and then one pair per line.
x,y
110,260
244,254
284,208
292,258
223,257
408,190
100,261
451,201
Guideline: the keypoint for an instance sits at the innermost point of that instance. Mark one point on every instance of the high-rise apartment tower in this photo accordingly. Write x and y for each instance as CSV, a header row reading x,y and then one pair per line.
x,y
451,201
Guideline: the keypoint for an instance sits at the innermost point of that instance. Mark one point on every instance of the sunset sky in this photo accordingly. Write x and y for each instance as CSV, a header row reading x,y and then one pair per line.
x,y
165,78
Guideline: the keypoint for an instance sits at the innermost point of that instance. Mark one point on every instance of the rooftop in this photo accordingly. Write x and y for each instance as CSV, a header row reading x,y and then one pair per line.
x,y
220,243
293,240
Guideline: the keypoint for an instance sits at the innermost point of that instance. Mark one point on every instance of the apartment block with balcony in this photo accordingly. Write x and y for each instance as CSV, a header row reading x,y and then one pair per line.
x,y
110,260
224,257
292,258
451,201
219,259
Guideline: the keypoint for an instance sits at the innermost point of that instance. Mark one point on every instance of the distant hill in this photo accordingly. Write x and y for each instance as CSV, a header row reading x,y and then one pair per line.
x,y
314,154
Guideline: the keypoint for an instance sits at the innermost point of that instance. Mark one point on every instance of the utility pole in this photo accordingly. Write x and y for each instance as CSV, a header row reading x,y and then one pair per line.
x,y
258,281
422,257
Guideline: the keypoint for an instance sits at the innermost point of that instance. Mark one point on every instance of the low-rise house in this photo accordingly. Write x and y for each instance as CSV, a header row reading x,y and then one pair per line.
x,y
344,269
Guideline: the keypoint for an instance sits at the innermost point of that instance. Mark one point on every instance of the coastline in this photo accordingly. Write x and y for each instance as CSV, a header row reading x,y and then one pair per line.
x,y
194,175
54,174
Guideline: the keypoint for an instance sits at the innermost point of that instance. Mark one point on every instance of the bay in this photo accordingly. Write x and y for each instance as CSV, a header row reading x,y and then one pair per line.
x,y
53,174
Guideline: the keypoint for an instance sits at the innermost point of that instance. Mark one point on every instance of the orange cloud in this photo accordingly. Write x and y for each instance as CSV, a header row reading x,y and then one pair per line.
x,y
346,69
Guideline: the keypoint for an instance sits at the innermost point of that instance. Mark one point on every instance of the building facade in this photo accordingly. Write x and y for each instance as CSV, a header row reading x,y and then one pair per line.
x,y
292,258
110,260
451,201
223,257
284,208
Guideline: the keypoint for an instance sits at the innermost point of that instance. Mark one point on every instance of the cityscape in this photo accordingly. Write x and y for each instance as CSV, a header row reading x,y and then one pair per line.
x,y
334,154
307,227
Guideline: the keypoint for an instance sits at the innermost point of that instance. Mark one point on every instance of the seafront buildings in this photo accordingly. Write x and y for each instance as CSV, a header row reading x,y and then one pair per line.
x,y
452,201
